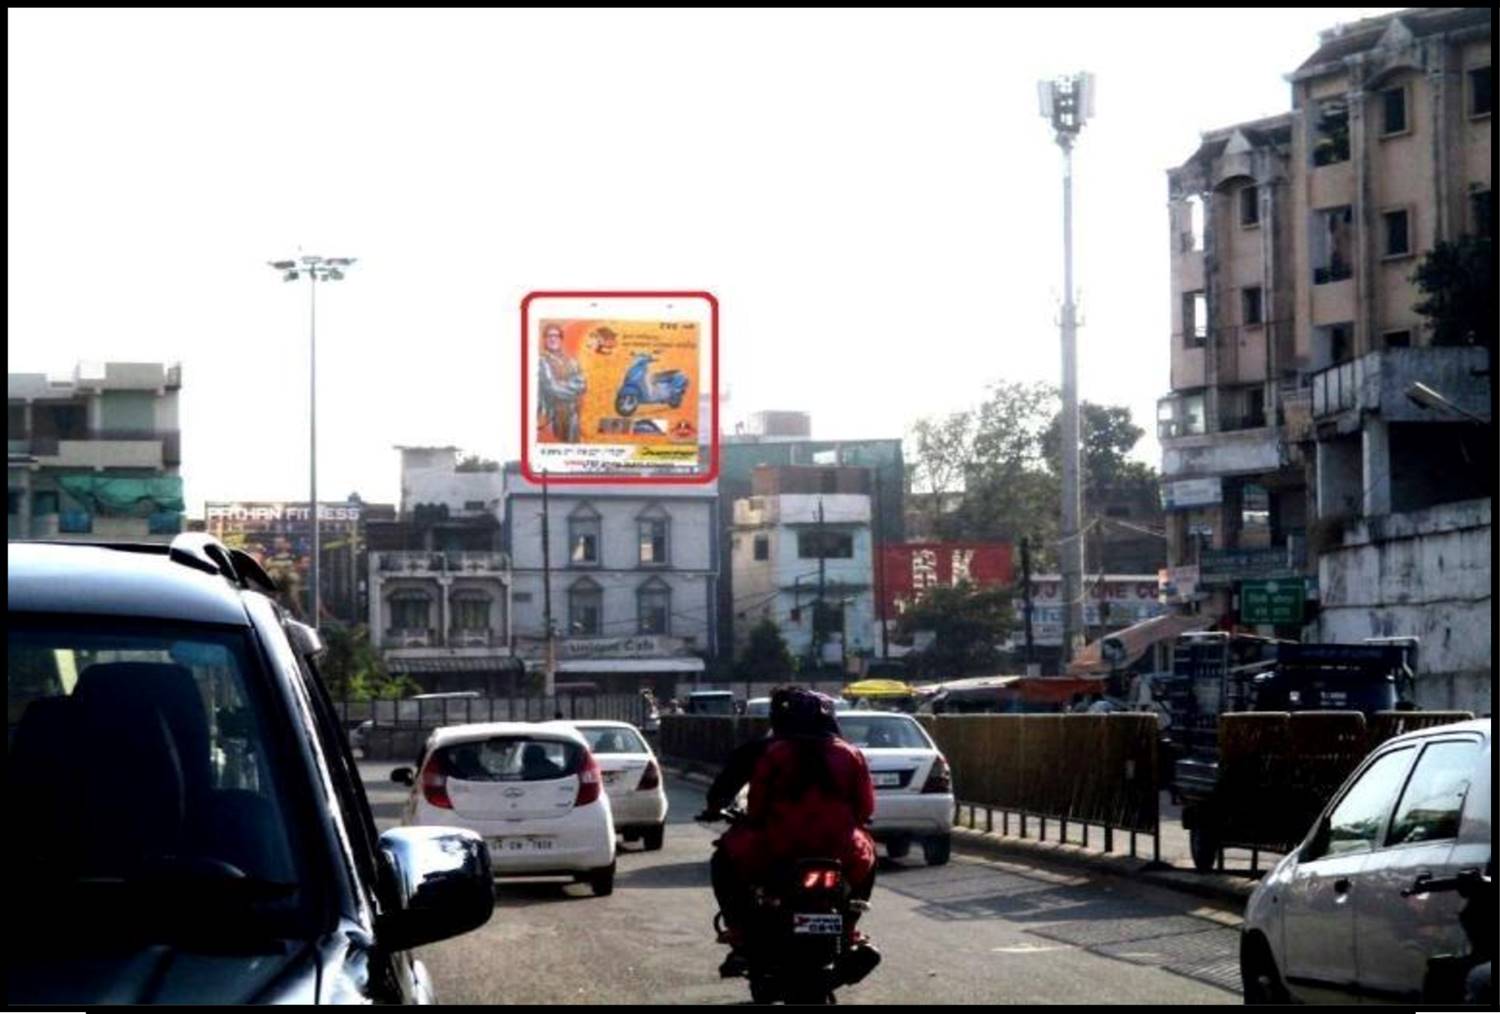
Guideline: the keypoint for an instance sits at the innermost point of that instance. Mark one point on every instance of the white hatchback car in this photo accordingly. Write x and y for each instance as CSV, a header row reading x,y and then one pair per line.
x,y
632,778
534,791
1343,917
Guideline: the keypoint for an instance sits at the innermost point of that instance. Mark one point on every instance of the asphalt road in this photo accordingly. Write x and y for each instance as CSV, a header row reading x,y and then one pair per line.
x,y
974,931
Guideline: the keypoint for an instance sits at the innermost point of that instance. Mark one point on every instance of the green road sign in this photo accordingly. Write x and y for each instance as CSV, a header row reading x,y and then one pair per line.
x,y
1276,602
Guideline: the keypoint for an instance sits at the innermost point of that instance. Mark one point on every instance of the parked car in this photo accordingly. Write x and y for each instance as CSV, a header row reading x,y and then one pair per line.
x,y
1344,916
632,780
758,707
533,791
190,798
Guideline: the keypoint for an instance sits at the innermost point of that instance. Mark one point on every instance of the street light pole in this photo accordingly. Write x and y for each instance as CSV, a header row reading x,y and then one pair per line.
x,y
317,269
1068,103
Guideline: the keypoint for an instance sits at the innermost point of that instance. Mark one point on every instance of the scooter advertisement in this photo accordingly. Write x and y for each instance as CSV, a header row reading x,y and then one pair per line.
x,y
617,395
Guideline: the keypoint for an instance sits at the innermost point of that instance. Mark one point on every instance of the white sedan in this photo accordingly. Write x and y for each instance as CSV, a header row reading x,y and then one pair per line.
x,y
534,791
913,784
632,778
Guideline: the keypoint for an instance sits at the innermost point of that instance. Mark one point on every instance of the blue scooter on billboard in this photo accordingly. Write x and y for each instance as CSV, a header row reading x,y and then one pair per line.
x,y
668,387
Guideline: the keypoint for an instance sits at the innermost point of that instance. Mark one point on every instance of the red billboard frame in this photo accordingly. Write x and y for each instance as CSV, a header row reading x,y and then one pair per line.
x,y
640,480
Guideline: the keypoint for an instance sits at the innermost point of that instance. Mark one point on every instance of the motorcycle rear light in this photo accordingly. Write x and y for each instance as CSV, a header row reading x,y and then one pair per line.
x,y
940,779
813,879
652,778
435,786
589,781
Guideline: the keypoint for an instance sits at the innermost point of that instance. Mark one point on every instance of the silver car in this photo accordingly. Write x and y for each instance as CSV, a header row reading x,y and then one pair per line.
x,y
1343,917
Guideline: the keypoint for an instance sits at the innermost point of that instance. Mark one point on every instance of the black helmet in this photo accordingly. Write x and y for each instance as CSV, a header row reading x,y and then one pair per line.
x,y
799,712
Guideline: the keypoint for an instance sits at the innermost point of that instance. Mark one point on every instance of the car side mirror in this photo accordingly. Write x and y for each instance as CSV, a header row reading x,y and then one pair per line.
x,y
442,881
403,776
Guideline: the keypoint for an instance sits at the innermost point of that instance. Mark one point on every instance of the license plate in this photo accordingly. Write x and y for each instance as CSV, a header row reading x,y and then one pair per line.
x,y
510,846
886,779
818,925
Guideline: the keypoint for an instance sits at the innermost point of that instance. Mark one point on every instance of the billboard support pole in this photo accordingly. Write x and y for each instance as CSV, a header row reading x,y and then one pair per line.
x,y
550,664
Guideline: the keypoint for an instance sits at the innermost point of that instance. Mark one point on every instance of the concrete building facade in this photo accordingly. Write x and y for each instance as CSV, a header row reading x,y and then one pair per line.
x,y
96,456
1292,446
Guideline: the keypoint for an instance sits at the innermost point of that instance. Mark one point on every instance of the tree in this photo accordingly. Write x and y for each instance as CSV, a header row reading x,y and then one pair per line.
x,y
766,656
475,463
967,623
941,455
1108,434
1458,281
353,670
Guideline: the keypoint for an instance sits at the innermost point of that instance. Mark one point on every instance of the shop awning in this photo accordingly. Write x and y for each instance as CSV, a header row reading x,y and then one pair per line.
x,y
1128,645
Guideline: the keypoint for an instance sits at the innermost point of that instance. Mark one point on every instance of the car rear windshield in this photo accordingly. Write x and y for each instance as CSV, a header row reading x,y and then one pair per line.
x,y
877,733
614,739
511,759
152,777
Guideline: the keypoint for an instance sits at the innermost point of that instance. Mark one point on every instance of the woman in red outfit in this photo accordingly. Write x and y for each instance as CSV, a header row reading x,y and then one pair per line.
x,y
810,796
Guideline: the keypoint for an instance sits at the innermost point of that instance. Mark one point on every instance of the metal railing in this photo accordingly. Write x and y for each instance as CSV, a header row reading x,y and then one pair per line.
x,y
1335,389
437,562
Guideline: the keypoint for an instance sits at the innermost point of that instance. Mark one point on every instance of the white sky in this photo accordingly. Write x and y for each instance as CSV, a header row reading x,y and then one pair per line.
x,y
872,196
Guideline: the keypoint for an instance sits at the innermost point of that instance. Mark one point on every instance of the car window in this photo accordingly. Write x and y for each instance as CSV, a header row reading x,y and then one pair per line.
x,y
1356,823
145,759
614,740
881,733
511,759
1433,800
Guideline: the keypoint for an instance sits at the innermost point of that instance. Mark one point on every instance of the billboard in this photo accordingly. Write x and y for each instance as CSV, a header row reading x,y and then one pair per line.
x,y
1113,601
614,387
278,534
909,569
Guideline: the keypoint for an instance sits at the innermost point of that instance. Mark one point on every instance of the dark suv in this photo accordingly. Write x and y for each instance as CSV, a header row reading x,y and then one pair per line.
x,y
189,825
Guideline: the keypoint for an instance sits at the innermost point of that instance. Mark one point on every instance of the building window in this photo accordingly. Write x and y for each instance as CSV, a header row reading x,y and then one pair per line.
x,y
1397,232
1180,416
1482,214
410,612
1397,339
1479,91
1332,245
1195,319
473,505
1251,297
585,609
471,612
1331,133
583,537
16,427
1332,343
1255,407
825,545
1250,206
15,498
1393,111
762,547
1196,226
653,527
654,608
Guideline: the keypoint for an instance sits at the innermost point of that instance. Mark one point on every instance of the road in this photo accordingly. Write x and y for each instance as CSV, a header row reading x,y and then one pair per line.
x,y
974,931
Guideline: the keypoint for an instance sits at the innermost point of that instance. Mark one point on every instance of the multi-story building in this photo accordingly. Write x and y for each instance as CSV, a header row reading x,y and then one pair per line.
x,y
776,439
95,457
802,543
1296,341
440,582
629,577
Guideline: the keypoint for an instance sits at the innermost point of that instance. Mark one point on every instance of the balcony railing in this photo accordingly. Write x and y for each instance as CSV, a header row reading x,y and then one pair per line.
x,y
471,638
411,637
422,562
1336,389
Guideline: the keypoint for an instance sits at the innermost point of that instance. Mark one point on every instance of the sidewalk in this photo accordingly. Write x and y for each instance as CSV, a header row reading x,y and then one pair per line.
x,y
1233,886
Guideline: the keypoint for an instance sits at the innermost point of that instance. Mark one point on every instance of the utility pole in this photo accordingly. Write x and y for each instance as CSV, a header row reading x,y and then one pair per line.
x,y
819,621
878,546
549,686
1026,598
1068,103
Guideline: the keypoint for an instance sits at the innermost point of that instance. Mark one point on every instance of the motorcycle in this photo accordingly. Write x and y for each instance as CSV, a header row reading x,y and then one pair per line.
x,y
1464,978
668,387
799,945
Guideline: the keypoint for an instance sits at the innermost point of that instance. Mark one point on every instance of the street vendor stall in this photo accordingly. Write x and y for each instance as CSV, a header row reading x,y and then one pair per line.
x,y
885,695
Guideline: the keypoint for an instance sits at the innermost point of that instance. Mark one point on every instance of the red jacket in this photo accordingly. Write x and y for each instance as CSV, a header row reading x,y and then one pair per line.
x,y
819,822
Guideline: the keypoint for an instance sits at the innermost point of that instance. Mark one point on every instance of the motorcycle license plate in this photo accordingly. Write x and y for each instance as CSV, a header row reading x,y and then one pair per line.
x,y
818,925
